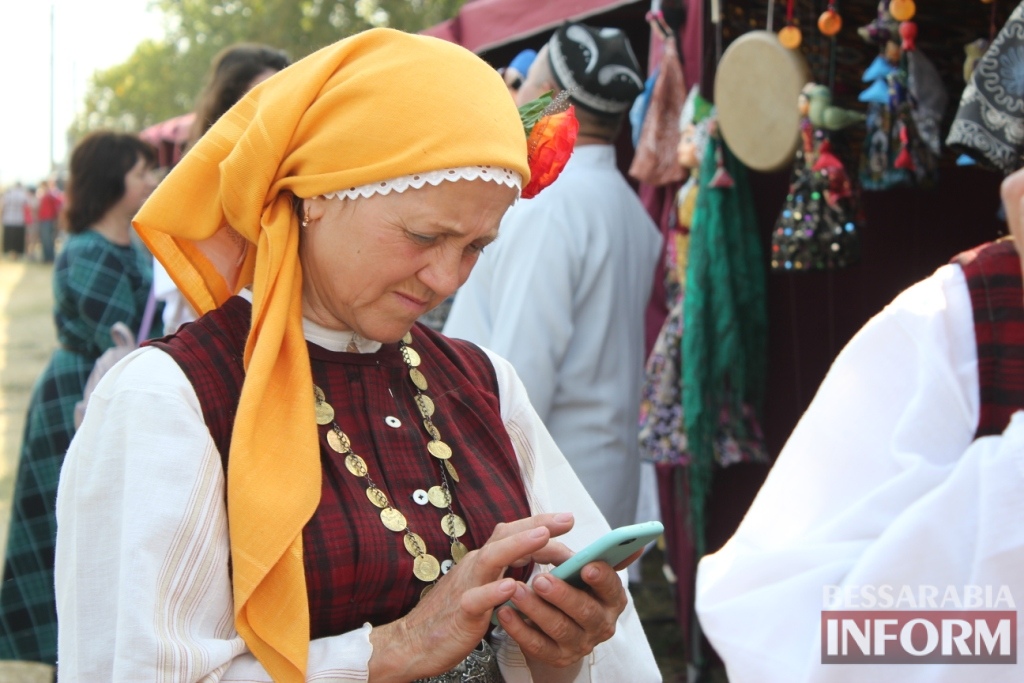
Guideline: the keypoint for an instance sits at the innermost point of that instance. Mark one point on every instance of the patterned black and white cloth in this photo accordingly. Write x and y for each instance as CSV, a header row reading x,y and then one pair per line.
x,y
989,125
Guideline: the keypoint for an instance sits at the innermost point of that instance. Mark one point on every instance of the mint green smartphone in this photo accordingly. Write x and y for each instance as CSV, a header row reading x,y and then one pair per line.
x,y
614,547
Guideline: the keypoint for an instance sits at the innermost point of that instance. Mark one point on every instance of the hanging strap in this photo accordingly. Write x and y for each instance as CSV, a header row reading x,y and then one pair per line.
x,y
993,279
147,316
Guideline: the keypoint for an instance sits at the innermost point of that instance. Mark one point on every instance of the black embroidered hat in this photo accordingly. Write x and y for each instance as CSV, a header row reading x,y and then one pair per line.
x,y
597,65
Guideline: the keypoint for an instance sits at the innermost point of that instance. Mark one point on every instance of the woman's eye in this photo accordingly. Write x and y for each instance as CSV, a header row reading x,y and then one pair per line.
x,y
422,239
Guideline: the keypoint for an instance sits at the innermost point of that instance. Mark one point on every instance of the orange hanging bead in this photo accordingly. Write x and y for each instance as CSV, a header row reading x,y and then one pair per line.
x,y
829,23
790,37
902,10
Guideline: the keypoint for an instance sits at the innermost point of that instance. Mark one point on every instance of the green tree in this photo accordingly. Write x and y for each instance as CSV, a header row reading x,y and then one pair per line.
x,y
161,78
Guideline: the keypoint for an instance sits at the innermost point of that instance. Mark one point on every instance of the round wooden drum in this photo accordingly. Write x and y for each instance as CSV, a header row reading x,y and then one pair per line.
x,y
757,87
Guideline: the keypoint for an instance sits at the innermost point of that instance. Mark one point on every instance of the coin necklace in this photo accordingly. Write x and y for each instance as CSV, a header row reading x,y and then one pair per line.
x,y
426,567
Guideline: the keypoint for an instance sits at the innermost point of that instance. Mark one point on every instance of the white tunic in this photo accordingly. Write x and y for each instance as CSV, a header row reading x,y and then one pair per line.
x,y
562,296
880,484
143,585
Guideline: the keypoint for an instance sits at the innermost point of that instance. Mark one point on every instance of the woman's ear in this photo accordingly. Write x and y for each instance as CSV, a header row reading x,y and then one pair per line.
x,y
312,209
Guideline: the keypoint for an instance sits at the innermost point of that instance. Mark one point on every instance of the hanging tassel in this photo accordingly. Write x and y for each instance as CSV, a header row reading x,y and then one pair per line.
x,y
721,179
904,160
908,32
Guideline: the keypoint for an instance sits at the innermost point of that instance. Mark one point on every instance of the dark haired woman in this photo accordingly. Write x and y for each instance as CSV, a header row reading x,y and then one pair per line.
x,y
99,278
235,70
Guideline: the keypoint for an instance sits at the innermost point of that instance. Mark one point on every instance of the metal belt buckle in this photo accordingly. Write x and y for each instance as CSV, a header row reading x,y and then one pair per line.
x,y
481,666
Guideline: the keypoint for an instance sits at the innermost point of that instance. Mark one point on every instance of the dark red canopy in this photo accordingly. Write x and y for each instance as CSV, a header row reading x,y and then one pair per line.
x,y
485,24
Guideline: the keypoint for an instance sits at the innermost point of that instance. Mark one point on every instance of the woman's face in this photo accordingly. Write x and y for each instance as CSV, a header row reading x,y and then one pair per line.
x,y
375,265
686,152
139,183
1012,191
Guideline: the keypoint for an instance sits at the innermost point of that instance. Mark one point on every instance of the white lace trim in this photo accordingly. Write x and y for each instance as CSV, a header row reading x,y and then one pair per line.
x,y
494,174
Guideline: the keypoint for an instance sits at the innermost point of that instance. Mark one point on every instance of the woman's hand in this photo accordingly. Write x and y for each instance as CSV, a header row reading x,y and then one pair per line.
x,y
453,617
558,624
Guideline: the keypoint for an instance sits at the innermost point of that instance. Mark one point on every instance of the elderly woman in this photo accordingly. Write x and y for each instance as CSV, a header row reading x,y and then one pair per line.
x,y
304,484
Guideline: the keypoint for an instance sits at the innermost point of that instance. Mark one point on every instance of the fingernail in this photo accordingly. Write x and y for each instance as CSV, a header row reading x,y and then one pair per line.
x,y
563,517
542,584
507,585
539,532
505,614
520,592
592,573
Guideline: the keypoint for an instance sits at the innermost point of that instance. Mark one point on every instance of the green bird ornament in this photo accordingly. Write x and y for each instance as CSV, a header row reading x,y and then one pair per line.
x,y
823,114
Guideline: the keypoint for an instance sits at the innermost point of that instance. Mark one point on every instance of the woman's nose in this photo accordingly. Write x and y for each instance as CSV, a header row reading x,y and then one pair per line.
x,y
443,274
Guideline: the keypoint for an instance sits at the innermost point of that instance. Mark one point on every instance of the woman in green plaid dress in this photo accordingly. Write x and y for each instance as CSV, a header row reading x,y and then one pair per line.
x,y
99,278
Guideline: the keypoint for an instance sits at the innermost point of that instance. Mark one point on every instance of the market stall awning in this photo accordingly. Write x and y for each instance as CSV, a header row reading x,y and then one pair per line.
x,y
169,137
484,24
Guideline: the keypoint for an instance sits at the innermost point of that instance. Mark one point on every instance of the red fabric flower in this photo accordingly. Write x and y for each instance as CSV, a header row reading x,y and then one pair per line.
x,y
548,149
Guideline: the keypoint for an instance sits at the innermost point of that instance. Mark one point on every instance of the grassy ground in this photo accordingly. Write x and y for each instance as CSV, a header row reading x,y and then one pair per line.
x,y
27,339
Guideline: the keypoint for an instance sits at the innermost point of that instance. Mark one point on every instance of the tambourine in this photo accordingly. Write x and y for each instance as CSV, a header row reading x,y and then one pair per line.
x,y
757,87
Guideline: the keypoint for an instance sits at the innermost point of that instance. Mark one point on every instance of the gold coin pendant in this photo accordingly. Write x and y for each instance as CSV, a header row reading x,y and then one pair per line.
x,y
426,567
393,519
377,497
439,449
426,589
453,525
356,465
438,497
459,551
338,440
426,405
319,393
407,338
431,429
451,470
324,413
411,357
418,379
414,543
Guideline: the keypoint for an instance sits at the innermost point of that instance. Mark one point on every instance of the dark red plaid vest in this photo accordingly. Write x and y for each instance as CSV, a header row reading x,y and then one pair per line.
x,y
358,571
993,273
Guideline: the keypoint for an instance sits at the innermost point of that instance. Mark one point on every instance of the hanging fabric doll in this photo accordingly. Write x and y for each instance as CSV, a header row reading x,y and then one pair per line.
x,y
818,227
906,102
735,434
662,431
724,330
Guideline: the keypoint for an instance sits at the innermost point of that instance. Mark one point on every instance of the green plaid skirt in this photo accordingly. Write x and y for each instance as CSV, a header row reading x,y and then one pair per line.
x,y
28,609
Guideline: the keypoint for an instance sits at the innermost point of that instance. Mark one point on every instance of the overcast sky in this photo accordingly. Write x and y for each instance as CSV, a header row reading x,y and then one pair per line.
x,y
90,35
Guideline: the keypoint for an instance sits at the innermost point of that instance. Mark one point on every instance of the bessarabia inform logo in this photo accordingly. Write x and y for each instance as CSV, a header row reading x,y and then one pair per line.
x,y
867,624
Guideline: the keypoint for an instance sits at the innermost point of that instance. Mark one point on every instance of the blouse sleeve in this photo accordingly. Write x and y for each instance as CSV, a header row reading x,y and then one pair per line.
x,y
880,484
552,486
142,560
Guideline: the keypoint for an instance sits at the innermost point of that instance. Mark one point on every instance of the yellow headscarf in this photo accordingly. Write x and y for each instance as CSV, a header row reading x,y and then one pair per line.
x,y
376,106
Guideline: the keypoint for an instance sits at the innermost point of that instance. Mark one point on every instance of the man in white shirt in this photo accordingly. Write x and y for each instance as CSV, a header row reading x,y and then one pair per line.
x,y
562,293
15,201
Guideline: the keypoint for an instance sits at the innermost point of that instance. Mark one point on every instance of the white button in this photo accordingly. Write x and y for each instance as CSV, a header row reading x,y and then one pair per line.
x,y
446,566
420,496
393,421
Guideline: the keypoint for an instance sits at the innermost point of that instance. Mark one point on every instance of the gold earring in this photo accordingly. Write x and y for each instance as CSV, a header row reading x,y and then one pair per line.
x,y
305,219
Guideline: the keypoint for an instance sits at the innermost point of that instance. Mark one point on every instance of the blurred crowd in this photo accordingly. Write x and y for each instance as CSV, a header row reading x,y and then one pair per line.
x,y
31,229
